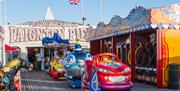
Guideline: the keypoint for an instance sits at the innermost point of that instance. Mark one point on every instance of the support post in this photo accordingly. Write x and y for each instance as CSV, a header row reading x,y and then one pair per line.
x,y
42,64
132,54
114,41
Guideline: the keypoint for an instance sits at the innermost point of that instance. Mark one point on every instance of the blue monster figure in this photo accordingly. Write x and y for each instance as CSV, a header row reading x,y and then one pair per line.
x,y
76,59
74,64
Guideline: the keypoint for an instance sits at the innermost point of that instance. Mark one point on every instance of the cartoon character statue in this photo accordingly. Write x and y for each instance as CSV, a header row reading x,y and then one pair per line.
x,y
74,64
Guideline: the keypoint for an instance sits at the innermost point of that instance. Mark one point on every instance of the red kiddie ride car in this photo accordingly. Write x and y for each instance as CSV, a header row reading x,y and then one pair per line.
x,y
106,72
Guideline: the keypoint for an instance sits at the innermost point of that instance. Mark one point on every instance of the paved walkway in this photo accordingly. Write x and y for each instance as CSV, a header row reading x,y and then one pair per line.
x,y
143,87
41,81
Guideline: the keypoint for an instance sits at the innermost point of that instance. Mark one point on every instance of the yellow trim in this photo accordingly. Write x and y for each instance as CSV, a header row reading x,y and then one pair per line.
x,y
136,52
129,57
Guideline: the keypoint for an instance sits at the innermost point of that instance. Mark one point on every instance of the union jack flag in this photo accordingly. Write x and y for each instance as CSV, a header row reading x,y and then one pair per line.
x,y
75,2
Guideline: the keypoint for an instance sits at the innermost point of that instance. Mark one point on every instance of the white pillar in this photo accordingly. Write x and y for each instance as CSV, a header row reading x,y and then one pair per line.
x,y
23,52
1,49
55,51
4,53
3,6
42,53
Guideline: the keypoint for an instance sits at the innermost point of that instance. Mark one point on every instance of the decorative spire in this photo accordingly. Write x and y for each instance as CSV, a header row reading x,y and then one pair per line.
x,y
49,15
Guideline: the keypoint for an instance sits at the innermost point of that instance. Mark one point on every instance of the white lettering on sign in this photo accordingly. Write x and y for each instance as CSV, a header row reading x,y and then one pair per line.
x,y
13,34
173,14
72,34
30,34
39,34
20,35
25,34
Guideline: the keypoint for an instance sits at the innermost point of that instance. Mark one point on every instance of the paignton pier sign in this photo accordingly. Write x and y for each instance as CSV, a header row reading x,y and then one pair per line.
x,y
30,34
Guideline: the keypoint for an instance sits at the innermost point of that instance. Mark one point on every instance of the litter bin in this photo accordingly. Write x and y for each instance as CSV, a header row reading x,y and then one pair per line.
x,y
174,73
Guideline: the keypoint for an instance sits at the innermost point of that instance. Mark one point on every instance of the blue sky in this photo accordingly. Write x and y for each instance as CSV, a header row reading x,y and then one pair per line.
x,y
19,11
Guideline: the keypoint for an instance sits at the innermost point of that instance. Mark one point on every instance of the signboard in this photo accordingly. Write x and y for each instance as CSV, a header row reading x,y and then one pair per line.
x,y
167,15
30,34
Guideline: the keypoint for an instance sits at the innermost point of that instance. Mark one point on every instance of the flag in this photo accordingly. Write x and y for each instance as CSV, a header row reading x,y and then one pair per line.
x,y
75,2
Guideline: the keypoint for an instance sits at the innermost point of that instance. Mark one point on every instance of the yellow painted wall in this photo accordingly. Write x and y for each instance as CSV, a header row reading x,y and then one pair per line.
x,y
172,38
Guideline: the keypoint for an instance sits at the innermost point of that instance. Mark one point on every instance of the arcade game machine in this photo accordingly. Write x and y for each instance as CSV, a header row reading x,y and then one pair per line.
x,y
145,52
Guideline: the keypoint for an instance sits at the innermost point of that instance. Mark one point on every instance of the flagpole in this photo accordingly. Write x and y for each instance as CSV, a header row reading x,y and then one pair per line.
x,y
1,60
82,12
82,8
5,12
101,11
4,23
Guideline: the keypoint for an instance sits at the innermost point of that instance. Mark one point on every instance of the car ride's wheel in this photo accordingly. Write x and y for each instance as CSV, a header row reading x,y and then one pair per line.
x,y
94,86
82,82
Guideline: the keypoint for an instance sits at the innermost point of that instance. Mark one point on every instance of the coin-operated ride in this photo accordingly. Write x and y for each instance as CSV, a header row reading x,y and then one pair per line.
x,y
10,74
106,72
74,64
56,69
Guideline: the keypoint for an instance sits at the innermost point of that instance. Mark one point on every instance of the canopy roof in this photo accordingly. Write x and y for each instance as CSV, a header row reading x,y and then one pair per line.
x,y
10,49
55,40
